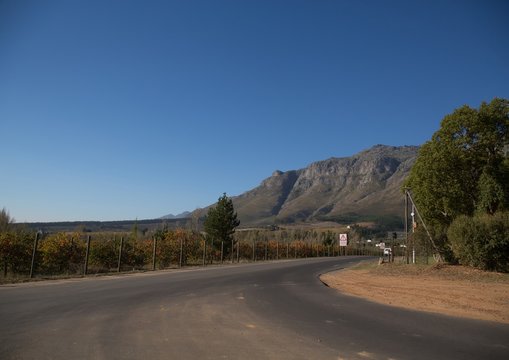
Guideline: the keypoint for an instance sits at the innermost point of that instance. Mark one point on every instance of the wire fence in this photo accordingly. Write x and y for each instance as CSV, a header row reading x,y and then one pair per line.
x,y
29,255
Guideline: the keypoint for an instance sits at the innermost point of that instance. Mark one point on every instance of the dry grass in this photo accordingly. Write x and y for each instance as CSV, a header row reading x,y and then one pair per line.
x,y
452,290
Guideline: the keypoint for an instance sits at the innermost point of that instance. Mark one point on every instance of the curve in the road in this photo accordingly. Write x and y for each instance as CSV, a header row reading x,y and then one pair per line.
x,y
254,311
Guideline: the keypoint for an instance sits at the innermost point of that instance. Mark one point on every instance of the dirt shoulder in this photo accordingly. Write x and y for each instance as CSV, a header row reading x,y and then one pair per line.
x,y
451,290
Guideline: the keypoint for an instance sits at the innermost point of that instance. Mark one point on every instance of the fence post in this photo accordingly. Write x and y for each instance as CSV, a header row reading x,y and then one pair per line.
x,y
277,250
120,253
266,248
154,254
32,265
254,258
211,251
181,252
238,245
86,255
287,249
222,251
204,250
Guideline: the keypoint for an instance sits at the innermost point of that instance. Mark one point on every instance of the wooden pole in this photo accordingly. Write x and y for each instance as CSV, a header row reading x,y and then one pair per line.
x,y
120,253
238,245
204,250
181,252
154,254
86,256
254,258
231,250
34,252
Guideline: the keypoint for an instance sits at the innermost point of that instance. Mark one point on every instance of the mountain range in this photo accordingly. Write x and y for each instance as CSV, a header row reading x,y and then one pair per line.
x,y
364,186
183,215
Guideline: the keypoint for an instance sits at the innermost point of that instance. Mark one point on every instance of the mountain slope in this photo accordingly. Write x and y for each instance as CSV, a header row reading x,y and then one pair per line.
x,y
366,184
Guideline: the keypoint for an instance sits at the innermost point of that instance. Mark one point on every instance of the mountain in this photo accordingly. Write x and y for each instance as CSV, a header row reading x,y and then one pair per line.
x,y
365,185
183,215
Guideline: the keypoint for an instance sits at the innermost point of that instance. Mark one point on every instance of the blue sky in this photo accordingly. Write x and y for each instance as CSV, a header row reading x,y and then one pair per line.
x,y
116,110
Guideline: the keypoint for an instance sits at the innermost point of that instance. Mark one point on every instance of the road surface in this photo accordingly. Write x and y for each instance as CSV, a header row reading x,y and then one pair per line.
x,y
277,310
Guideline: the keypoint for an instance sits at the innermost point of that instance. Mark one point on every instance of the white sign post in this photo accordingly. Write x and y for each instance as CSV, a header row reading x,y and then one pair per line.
x,y
343,241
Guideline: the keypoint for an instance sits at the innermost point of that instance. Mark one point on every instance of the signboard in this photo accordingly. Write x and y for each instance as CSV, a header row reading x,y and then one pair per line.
x,y
343,239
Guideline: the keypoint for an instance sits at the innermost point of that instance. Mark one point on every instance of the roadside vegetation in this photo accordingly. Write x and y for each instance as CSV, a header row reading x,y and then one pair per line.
x,y
64,254
460,183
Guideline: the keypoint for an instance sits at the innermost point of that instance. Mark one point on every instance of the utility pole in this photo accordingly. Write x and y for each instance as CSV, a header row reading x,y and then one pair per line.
x,y
412,214
406,227
415,211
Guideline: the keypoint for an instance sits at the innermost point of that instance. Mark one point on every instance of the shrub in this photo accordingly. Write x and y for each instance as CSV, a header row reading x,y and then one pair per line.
x,y
104,253
481,241
61,253
16,251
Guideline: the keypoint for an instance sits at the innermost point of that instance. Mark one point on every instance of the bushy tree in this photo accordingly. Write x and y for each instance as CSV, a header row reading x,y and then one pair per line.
x,y
481,241
458,169
463,169
221,222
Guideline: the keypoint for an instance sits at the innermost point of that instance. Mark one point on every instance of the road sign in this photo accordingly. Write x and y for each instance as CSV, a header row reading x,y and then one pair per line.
x,y
343,239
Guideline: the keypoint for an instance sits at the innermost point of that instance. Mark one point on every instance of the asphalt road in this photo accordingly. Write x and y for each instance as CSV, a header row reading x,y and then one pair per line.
x,y
255,311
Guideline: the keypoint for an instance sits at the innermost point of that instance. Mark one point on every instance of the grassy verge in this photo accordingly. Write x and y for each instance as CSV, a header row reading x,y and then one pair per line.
x,y
437,270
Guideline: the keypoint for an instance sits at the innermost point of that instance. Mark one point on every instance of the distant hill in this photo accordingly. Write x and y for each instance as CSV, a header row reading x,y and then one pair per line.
x,y
364,186
99,226
183,215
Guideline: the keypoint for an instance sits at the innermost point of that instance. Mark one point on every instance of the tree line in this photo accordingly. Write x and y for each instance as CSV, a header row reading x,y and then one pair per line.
x,y
65,253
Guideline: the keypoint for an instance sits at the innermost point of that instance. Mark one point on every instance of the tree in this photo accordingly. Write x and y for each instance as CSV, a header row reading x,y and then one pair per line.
x,y
221,222
445,179
463,170
5,221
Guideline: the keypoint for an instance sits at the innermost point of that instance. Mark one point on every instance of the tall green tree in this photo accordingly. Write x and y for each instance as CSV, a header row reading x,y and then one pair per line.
x,y
459,168
221,222
463,169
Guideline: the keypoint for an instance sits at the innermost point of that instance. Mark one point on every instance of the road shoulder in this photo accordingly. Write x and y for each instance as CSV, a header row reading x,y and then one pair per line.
x,y
450,290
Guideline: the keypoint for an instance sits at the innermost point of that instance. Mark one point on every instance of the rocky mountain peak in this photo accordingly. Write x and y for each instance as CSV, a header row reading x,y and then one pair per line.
x,y
366,183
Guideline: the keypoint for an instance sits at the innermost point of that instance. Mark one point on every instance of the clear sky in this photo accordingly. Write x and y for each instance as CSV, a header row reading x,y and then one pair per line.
x,y
115,110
